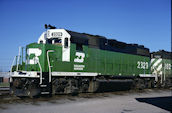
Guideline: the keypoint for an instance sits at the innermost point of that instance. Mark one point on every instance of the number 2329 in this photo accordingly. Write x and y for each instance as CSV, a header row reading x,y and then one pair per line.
x,y
142,65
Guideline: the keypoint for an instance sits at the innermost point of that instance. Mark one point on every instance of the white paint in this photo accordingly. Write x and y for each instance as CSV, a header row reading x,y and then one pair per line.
x,y
160,73
40,82
74,74
37,52
12,65
27,74
79,57
42,38
79,67
149,76
61,34
152,60
167,66
58,34
159,67
66,54
157,62
156,70
18,59
142,65
49,65
55,33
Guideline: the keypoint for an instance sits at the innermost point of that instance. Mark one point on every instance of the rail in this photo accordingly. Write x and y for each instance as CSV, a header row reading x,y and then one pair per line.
x,y
12,65
40,72
18,59
49,63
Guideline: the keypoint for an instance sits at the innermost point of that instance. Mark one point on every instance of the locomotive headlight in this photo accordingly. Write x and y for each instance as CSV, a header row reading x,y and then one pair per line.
x,y
48,33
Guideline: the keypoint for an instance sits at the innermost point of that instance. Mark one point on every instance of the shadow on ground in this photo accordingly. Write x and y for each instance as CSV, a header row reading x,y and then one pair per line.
x,y
161,102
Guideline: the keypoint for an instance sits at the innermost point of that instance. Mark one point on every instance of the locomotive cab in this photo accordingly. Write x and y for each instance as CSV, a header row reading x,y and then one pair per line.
x,y
58,37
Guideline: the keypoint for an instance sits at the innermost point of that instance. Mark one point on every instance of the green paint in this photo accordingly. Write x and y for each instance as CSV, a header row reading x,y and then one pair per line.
x,y
167,67
95,60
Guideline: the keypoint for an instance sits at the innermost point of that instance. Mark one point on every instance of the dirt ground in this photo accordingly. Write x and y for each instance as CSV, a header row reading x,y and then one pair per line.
x,y
148,101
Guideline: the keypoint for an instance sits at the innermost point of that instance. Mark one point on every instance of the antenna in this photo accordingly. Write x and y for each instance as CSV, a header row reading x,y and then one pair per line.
x,y
49,26
46,26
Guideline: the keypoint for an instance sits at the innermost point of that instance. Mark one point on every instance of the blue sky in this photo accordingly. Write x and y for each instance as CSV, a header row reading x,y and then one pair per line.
x,y
145,22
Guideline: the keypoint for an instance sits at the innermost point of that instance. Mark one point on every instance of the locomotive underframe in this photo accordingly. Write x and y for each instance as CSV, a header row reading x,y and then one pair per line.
x,y
25,86
31,87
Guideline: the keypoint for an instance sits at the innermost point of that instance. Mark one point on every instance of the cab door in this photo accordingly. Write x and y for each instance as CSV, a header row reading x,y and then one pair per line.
x,y
66,49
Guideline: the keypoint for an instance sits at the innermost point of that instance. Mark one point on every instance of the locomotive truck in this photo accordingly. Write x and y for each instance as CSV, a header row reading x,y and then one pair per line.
x,y
65,62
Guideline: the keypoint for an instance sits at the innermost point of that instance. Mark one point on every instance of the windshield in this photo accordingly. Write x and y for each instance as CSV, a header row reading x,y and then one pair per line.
x,y
54,41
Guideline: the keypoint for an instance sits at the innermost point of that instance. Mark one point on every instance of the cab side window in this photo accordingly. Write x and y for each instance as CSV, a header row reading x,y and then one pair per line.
x,y
66,43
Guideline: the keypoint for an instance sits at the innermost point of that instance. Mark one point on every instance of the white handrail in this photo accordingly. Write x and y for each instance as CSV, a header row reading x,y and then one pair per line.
x,y
18,59
49,63
12,65
40,72
164,74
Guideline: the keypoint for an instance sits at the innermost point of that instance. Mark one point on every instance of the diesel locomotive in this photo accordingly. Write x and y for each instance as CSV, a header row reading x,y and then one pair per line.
x,y
66,62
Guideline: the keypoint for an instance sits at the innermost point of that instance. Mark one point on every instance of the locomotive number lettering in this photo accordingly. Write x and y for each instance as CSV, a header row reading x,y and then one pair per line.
x,y
56,34
142,65
167,66
79,57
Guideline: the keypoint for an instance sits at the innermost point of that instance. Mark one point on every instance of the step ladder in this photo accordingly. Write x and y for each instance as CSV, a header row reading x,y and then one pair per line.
x,y
45,86
45,79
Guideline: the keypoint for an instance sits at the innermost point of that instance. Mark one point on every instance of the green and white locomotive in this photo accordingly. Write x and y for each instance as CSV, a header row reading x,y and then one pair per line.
x,y
161,67
64,62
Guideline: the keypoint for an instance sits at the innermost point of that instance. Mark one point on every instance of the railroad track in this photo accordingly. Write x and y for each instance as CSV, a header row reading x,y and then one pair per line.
x,y
5,97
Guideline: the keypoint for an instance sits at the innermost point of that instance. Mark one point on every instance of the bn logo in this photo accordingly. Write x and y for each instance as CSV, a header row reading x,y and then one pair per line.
x,y
79,57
